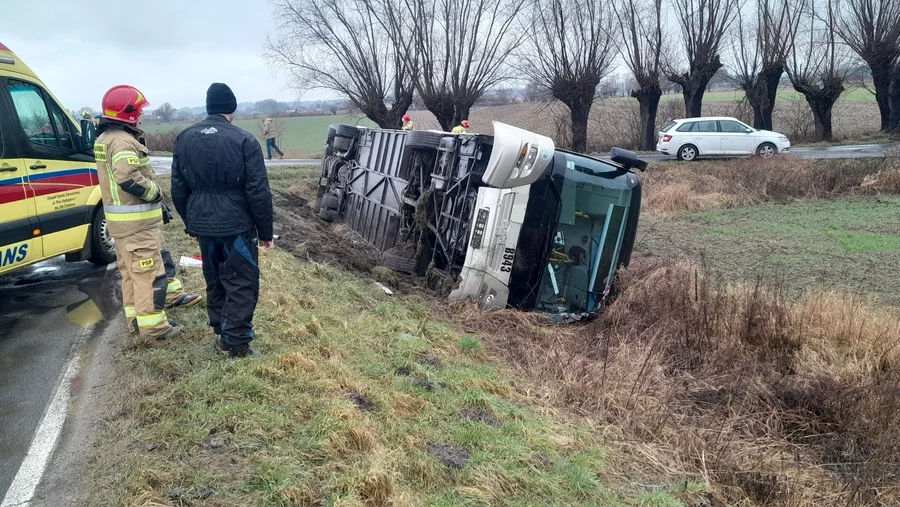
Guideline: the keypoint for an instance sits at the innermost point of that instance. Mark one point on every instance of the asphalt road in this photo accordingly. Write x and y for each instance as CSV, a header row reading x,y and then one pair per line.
x,y
163,165
50,312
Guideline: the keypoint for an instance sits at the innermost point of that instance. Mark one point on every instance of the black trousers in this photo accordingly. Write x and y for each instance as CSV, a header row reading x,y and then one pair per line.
x,y
230,266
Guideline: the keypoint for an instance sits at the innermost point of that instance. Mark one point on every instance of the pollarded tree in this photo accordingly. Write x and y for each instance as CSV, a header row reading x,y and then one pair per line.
x,y
761,47
703,24
357,48
641,24
572,45
819,64
872,30
460,48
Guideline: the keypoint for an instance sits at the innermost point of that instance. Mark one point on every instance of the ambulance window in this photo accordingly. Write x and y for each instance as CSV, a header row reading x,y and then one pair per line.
x,y
36,119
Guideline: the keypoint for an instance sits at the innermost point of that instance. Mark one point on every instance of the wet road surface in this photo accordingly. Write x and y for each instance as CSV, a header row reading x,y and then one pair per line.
x,y
49,311
163,165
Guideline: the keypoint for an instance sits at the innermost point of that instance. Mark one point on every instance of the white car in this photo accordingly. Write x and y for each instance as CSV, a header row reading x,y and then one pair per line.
x,y
690,138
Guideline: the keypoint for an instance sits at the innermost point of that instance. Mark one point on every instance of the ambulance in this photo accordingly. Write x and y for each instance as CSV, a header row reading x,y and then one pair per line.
x,y
49,195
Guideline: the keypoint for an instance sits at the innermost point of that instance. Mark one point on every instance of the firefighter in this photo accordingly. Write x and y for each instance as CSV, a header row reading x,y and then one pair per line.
x,y
133,207
86,115
462,128
407,122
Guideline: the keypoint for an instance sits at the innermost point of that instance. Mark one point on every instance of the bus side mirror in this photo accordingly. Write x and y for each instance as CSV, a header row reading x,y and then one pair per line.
x,y
87,135
627,159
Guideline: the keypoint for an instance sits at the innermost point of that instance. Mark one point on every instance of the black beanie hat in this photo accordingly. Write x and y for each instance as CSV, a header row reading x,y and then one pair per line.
x,y
220,99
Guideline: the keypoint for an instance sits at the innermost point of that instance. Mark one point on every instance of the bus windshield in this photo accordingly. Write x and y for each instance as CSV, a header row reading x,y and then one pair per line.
x,y
584,253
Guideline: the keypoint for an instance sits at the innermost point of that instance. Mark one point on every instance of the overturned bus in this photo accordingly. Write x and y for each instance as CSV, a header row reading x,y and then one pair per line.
x,y
508,219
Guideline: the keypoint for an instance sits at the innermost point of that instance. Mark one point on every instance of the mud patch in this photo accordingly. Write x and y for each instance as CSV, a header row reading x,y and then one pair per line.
x,y
450,456
423,384
427,358
403,371
478,415
361,402
308,237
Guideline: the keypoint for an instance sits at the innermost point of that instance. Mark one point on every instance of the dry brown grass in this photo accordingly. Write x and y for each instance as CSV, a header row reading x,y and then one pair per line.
x,y
677,187
773,401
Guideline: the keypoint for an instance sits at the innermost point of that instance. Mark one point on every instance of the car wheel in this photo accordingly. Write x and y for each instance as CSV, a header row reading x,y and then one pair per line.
x,y
766,150
103,246
688,153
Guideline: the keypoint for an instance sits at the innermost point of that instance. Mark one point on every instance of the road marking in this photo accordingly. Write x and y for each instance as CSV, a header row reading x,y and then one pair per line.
x,y
43,444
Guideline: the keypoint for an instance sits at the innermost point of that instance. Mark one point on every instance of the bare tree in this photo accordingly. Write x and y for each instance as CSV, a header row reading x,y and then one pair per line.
x,y
358,48
572,48
165,112
703,26
761,47
642,35
819,64
872,30
461,47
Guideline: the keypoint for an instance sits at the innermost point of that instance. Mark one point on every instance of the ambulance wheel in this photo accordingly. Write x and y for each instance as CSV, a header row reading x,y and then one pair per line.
x,y
103,246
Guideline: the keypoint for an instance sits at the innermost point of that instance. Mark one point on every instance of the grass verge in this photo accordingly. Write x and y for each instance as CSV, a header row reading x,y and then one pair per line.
x,y
360,398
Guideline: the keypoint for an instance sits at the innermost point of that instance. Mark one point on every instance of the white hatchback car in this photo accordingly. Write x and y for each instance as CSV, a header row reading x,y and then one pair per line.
x,y
690,138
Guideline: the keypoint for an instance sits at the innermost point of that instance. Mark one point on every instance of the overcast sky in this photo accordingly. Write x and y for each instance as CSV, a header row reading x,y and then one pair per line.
x,y
170,49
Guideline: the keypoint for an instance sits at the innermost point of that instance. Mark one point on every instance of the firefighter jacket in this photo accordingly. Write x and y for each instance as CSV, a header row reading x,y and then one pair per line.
x,y
459,129
131,199
408,125
219,181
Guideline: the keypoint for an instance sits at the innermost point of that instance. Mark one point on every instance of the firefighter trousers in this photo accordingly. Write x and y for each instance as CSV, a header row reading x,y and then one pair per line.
x,y
144,281
230,266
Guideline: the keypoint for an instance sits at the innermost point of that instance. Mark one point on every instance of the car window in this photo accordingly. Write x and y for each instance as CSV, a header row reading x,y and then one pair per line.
x,y
688,127
706,126
35,117
669,127
732,126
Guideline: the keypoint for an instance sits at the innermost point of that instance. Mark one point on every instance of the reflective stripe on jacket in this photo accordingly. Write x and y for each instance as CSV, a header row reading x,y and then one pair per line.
x,y
131,199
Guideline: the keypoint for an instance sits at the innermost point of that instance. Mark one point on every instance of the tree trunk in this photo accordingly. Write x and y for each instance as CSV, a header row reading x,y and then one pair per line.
x,y
693,89
580,113
771,76
894,100
648,102
441,106
821,107
462,113
881,79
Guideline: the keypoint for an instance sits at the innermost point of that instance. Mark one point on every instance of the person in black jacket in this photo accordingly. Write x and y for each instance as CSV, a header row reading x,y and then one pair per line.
x,y
221,190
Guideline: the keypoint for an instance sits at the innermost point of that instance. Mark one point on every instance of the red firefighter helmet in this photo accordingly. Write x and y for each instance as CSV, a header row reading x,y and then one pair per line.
x,y
465,123
406,117
124,103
